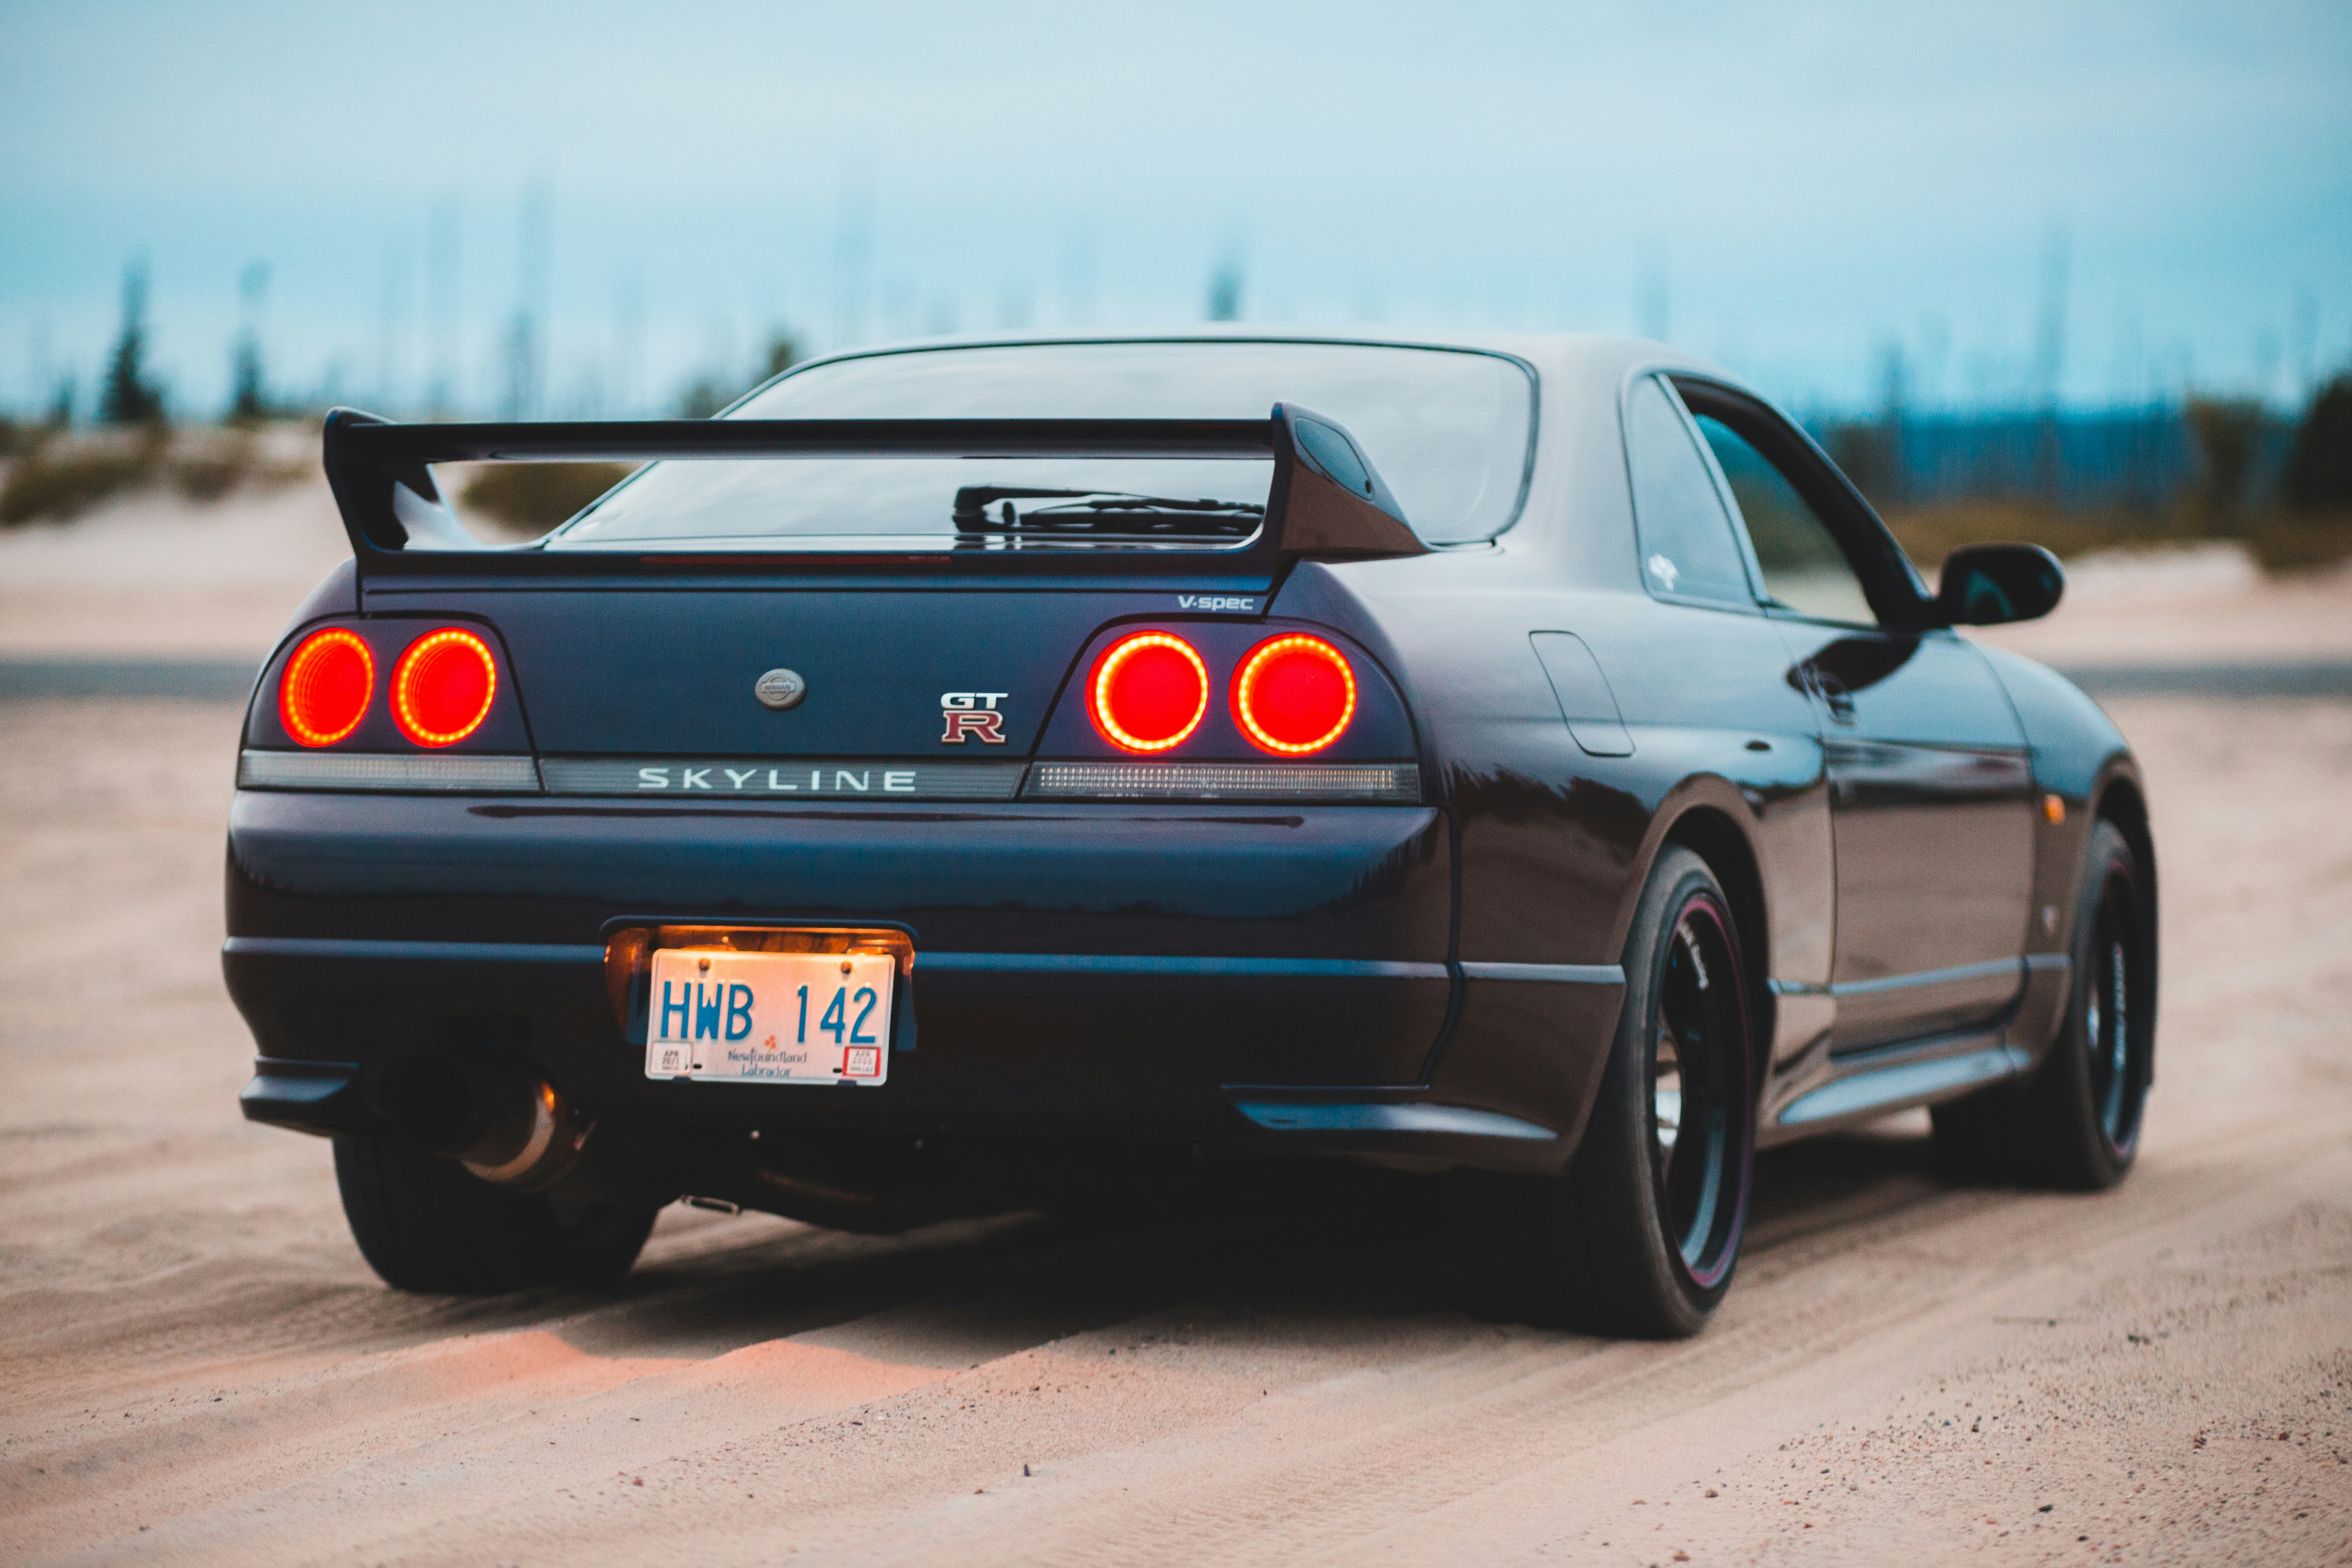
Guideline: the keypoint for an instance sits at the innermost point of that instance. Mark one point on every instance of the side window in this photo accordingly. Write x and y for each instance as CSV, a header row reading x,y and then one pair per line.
x,y
1803,568
1688,550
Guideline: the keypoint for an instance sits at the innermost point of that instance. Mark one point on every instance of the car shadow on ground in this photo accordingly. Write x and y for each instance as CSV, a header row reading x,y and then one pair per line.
x,y
1286,1247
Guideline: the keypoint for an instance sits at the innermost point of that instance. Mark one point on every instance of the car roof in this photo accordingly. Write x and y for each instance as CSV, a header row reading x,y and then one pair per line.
x,y
1592,361
1578,469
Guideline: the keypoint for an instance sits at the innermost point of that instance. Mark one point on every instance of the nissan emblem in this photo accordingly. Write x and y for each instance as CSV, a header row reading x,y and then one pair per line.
x,y
780,688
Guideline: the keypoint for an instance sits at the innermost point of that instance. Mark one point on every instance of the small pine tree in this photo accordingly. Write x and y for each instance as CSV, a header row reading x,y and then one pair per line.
x,y
2229,432
783,352
127,396
523,356
1225,292
2319,469
702,397
249,396
249,404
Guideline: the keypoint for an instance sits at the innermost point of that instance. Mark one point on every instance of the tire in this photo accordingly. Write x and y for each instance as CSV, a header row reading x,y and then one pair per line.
x,y
1640,1234
2075,1124
426,1224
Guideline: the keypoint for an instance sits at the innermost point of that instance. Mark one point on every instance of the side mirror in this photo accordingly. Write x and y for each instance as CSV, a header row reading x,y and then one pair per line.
x,y
1989,585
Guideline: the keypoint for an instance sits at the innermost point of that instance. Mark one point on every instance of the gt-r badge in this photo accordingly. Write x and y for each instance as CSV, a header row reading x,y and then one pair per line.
x,y
780,688
972,716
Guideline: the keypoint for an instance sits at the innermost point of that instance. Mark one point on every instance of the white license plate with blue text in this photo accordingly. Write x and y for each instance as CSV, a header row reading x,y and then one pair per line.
x,y
769,1017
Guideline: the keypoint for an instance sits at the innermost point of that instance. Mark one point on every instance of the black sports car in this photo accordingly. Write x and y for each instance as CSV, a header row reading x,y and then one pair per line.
x,y
1525,760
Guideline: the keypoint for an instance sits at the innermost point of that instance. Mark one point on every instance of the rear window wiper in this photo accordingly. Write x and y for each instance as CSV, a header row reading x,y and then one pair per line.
x,y
1099,511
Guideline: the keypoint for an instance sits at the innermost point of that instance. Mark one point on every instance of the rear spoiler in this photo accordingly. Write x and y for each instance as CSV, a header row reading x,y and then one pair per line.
x,y
1326,501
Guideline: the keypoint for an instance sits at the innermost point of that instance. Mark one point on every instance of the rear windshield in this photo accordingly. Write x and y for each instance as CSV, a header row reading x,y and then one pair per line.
x,y
1448,429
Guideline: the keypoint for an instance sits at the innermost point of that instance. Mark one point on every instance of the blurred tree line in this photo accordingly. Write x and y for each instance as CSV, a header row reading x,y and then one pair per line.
x,y
2211,468
135,445
2215,467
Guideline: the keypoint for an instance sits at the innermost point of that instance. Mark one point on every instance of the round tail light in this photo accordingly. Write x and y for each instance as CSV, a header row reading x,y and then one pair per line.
x,y
1148,691
442,686
1294,695
324,692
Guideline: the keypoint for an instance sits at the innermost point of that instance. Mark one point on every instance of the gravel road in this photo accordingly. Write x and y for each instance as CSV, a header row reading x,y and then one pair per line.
x,y
197,1367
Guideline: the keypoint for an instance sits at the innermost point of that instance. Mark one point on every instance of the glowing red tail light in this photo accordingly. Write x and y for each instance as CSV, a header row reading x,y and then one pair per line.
x,y
1148,690
442,686
324,691
1294,695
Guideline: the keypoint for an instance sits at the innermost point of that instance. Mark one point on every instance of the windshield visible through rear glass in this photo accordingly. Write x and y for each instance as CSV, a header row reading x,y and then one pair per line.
x,y
1448,429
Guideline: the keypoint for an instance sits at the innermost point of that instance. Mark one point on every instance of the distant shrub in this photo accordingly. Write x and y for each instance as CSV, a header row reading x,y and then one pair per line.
x,y
529,498
57,480
209,478
60,478
2292,541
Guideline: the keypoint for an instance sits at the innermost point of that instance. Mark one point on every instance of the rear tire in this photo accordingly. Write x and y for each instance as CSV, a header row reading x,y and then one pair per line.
x,y
427,1224
1639,1236
2075,1124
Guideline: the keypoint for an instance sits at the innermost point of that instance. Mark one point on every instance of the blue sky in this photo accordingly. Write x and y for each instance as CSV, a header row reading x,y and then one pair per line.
x,y
1793,188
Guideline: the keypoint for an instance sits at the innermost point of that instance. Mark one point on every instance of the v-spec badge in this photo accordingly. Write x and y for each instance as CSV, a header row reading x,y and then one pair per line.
x,y
972,716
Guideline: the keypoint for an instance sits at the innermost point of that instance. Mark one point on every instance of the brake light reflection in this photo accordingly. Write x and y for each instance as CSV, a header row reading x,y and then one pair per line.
x,y
1294,695
324,691
442,686
1148,691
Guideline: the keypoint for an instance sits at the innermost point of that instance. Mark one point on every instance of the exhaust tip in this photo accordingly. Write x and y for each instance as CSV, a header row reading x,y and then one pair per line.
x,y
502,1121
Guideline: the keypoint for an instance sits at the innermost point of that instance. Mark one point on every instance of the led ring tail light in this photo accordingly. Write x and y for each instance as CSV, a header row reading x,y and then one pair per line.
x,y
324,691
442,686
1294,695
1148,691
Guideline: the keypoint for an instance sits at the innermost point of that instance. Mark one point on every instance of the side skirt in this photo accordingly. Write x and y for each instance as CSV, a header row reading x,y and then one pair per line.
x,y
1898,1077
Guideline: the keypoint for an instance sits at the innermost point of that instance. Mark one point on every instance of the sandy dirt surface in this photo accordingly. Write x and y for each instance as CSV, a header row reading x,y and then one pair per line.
x,y
148,575
196,1366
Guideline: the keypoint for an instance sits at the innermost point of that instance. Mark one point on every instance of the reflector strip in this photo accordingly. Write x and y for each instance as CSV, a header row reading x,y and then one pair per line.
x,y
472,773
1377,783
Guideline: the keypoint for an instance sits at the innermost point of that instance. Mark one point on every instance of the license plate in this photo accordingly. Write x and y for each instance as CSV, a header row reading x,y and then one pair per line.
x,y
769,1017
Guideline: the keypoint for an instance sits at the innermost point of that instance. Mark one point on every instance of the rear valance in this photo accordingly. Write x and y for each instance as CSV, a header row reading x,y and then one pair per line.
x,y
1326,501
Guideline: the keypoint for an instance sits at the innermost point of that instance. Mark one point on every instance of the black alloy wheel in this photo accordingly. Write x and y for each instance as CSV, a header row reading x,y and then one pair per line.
x,y
1698,1081
2116,1063
1640,1234
2075,1123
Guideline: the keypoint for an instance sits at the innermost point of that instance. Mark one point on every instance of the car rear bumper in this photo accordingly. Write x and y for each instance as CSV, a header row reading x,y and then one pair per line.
x,y
1205,974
